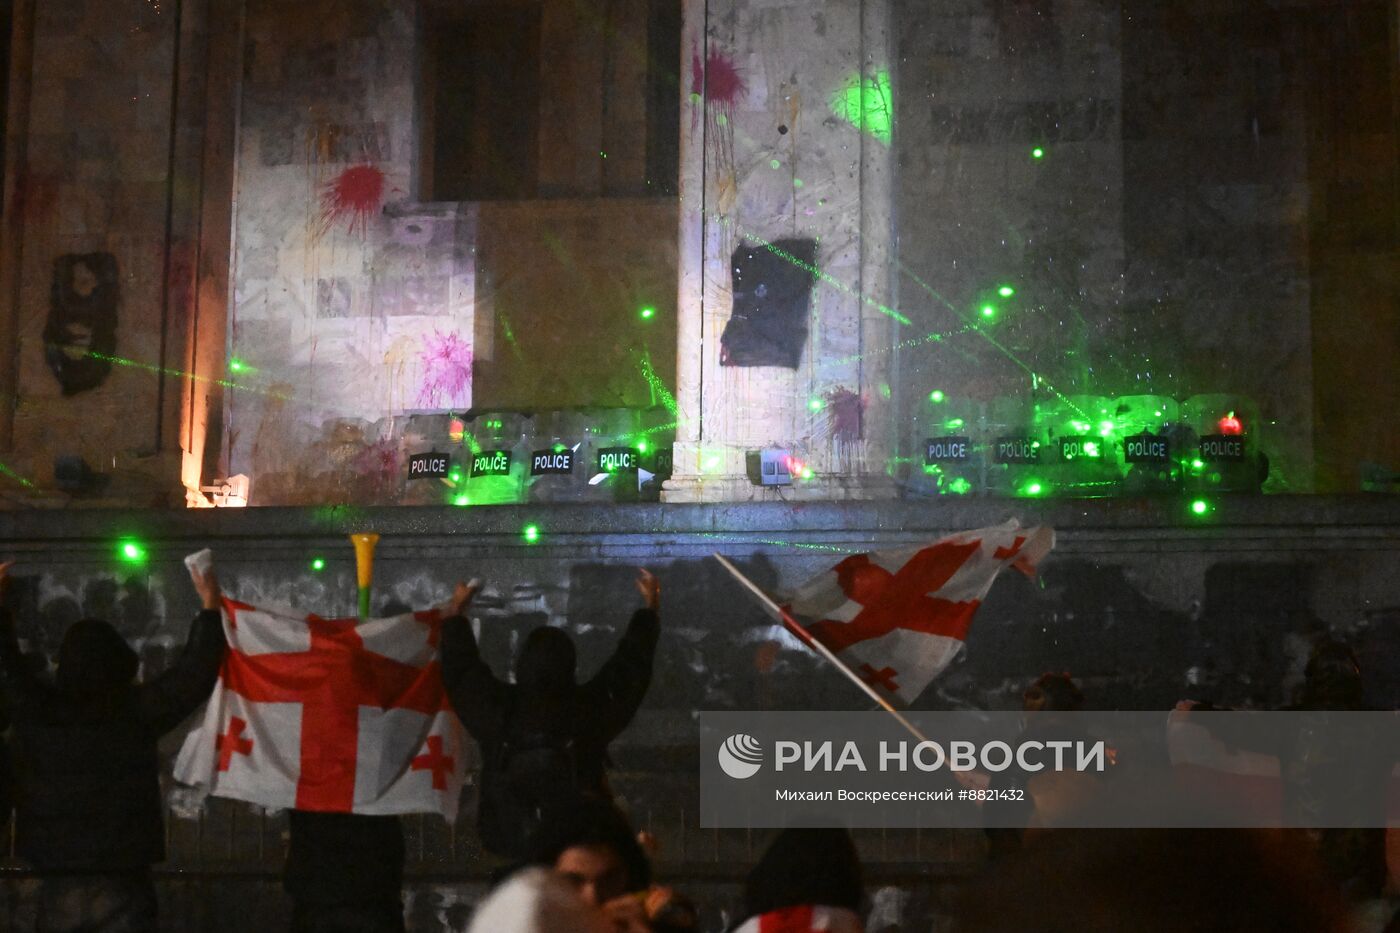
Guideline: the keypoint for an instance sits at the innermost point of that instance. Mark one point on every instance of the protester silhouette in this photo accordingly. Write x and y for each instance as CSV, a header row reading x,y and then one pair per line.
x,y
544,738
1335,768
89,816
344,871
806,879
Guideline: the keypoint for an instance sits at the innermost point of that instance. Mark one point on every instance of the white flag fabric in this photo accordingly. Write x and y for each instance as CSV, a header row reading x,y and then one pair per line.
x,y
329,715
898,618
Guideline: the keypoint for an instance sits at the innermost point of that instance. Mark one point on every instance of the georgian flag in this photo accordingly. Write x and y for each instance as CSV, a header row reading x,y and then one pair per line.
x,y
896,619
329,715
804,919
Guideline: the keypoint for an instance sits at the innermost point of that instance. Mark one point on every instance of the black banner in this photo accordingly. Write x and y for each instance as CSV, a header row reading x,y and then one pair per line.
x,y
1146,448
491,463
552,462
952,449
619,460
1016,448
429,466
1222,448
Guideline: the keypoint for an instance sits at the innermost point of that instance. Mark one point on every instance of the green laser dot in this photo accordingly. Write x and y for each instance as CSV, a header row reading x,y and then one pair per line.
x,y
816,404
461,500
641,447
1034,489
648,312
531,533
131,552
775,164
235,366
1006,291
318,564
936,396
1200,507
1037,153
989,311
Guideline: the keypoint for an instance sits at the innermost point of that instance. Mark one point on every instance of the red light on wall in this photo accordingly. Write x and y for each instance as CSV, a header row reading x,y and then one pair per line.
x,y
1230,424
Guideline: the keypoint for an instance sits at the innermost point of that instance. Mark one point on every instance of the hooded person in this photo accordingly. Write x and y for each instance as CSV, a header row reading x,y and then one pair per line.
x,y
544,739
807,880
87,787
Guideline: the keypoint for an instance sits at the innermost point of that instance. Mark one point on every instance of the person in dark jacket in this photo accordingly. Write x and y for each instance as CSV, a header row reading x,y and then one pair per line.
x,y
344,872
544,739
805,871
88,800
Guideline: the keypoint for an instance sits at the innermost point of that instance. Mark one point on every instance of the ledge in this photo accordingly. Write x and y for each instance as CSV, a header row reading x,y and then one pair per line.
x,y
1360,517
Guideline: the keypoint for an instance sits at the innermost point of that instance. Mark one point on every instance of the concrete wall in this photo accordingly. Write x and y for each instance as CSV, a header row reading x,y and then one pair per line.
x,y
355,304
93,176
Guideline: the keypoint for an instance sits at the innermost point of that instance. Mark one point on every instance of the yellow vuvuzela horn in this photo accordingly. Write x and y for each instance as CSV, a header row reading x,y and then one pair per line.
x,y
364,566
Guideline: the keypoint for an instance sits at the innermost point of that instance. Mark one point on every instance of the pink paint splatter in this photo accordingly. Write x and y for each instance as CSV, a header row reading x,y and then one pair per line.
x,y
847,414
356,195
718,80
447,370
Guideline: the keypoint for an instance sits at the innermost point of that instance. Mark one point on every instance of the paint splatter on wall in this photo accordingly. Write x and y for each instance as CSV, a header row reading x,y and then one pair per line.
x,y
717,85
447,371
847,414
354,197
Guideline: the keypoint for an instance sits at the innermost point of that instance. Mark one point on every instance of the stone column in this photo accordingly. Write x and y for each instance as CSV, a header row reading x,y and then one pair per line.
x,y
785,135
201,247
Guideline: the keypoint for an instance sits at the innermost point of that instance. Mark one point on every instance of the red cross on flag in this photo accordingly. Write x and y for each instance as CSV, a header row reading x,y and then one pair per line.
x,y
330,715
896,619
806,918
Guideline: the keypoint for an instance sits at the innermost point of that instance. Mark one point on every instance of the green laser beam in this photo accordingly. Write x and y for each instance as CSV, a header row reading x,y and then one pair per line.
x,y
823,276
657,385
181,374
5,470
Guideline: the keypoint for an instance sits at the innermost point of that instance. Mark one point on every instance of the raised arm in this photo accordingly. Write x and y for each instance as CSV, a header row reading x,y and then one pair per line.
x,y
621,684
169,698
478,696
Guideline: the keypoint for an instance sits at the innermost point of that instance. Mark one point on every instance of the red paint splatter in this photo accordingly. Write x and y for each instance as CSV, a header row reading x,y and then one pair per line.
x,y
356,195
847,414
377,465
718,80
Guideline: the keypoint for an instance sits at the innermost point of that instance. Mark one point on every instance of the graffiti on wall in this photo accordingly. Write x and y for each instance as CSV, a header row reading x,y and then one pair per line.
x,y
81,333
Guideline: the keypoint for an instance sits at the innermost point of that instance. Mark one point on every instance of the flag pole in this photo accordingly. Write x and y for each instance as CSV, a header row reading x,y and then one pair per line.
x,y
806,638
